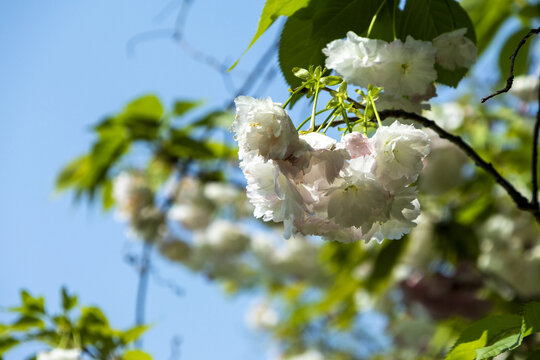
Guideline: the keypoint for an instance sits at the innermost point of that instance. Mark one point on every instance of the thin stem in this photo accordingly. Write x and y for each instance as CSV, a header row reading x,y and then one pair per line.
x,y
372,23
394,19
346,118
309,118
142,287
325,120
375,109
534,162
510,79
314,110
296,91
329,124
355,103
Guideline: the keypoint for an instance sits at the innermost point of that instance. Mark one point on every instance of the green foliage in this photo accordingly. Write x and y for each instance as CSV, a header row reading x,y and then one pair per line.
x,y
308,31
144,122
496,334
272,10
86,328
136,355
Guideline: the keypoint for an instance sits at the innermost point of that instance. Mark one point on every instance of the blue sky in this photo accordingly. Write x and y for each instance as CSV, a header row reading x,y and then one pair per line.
x,y
63,66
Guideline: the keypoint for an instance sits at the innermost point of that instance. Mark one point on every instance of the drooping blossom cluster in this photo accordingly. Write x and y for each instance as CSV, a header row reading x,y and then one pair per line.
x,y
359,188
406,70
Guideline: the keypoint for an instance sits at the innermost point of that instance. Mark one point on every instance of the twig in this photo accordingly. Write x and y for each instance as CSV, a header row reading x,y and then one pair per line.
x,y
142,286
534,161
510,79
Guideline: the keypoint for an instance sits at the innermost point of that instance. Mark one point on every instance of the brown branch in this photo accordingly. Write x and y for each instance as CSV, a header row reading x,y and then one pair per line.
x,y
521,201
510,79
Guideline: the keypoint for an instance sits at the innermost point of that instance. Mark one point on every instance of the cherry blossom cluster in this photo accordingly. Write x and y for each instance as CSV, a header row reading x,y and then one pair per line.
x,y
358,188
406,70
203,230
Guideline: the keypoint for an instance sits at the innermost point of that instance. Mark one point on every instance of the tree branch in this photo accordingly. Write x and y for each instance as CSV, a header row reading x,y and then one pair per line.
x,y
518,198
510,79
521,201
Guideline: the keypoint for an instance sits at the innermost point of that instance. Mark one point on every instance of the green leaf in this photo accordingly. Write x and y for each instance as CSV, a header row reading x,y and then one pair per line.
x,y
92,316
133,334
68,302
147,106
32,305
107,199
521,63
385,261
214,119
531,313
7,343
488,337
26,322
272,10
73,173
309,30
487,17
136,355
183,106
427,19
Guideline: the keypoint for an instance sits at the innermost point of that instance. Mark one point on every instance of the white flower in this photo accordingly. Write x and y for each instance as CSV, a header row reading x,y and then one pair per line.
x,y
191,215
404,210
356,59
399,151
264,126
408,68
262,316
442,169
221,193
274,196
308,355
131,193
356,144
60,354
449,116
224,237
175,250
360,199
325,161
526,87
148,224
455,50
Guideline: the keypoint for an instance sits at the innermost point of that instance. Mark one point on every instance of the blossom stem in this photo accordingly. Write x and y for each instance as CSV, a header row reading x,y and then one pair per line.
x,y
374,18
396,2
296,91
375,110
346,118
329,124
309,118
314,110
326,120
